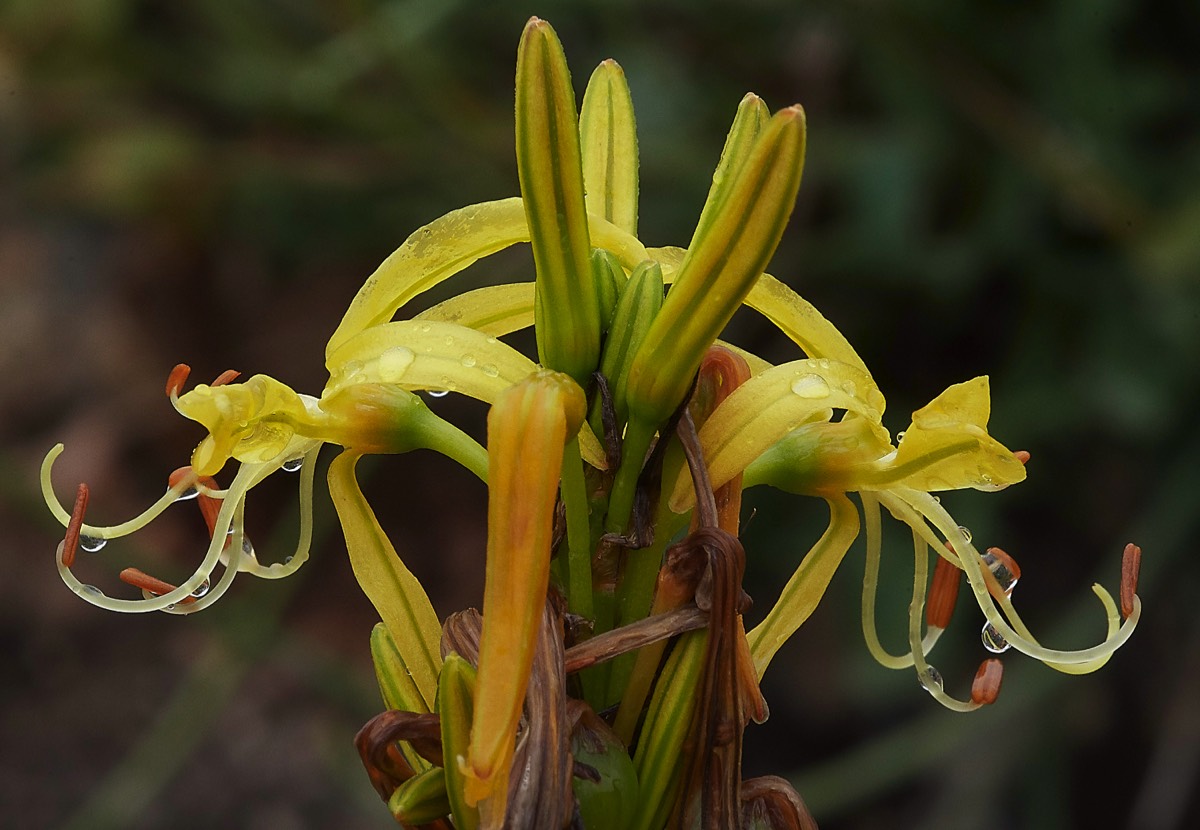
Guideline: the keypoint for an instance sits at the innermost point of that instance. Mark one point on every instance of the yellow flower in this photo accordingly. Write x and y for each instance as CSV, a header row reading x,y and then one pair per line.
x,y
814,427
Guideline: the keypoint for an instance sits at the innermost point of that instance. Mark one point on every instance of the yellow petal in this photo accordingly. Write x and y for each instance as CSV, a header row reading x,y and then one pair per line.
x,y
396,594
947,447
767,407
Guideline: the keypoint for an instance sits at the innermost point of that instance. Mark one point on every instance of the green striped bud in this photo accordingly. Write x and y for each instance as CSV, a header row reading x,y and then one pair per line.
x,y
566,311
421,799
727,257
608,141
638,305
610,279
456,708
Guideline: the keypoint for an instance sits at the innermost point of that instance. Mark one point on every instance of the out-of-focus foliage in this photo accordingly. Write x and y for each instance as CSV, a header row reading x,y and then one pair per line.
x,y
1002,188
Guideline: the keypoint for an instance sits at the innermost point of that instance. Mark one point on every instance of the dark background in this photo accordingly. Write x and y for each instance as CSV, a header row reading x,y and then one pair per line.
x,y
1006,188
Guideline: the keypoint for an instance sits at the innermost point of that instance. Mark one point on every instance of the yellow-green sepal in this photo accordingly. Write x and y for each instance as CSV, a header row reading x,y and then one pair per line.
x,y
610,802
421,799
566,310
608,141
456,708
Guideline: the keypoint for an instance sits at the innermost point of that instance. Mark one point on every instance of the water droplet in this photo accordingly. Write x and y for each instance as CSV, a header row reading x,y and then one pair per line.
x,y
810,387
393,363
247,548
201,589
490,370
438,393
352,369
966,532
933,682
993,640
424,328
188,494
1000,569
287,561
468,360
292,464
492,341
849,387
899,436
449,341
93,591
92,543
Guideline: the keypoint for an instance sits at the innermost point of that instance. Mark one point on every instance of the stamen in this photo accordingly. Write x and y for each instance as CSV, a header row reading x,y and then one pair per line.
x,y
177,379
986,686
228,376
943,594
1022,456
152,584
71,540
1131,566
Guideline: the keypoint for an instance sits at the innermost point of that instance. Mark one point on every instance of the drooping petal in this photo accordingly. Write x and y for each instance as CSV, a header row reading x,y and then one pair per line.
x,y
806,587
390,586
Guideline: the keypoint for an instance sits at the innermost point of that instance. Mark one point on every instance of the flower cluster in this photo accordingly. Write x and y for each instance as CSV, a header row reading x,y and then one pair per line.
x,y
615,466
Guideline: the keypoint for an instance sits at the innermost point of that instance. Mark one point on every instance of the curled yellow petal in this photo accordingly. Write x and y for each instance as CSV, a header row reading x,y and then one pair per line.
x,y
767,407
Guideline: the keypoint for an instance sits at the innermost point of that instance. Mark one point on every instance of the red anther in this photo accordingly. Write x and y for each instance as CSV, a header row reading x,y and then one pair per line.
x,y
139,579
228,376
71,540
1131,566
1022,456
177,379
943,594
986,686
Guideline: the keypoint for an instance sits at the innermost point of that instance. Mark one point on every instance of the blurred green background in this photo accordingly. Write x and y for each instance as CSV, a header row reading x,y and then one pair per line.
x,y
995,187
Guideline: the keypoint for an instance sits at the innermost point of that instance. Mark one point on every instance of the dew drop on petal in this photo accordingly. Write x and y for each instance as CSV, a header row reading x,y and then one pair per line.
x,y
438,393
424,328
292,465
393,363
810,387
899,436
468,361
92,544
933,681
993,640
490,370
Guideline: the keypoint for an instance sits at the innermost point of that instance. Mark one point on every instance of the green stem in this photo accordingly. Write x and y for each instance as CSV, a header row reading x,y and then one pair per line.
x,y
579,554
441,436
638,435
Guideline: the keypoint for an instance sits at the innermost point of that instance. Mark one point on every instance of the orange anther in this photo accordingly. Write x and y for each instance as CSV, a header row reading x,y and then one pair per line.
x,y
228,376
139,579
943,594
210,508
1022,456
71,540
1131,566
986,686
177,379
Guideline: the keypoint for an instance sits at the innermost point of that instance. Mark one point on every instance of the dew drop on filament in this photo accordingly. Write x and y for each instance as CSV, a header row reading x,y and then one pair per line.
x,y
201,589
933,681
188,494
292,465
993,640
92,544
